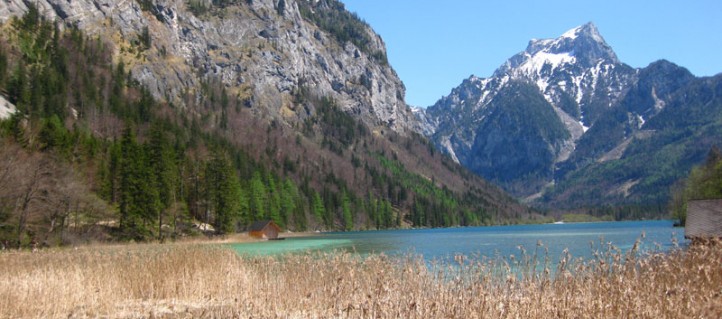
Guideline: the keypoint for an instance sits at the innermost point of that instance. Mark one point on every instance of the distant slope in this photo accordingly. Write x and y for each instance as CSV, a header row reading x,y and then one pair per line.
x,y
610,149
660,153
518,109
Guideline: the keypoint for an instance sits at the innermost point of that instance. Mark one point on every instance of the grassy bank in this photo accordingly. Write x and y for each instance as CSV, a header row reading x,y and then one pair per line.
x,y
196,280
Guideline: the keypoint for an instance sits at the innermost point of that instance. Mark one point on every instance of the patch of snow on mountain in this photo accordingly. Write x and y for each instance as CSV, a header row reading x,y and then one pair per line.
x,y
640,120
542,42
485,87
584,128
577,80
535,63
542,84
504,80
658,103
571,34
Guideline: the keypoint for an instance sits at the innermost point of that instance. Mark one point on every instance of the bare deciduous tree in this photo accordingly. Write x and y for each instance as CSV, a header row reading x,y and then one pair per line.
x,y
38,195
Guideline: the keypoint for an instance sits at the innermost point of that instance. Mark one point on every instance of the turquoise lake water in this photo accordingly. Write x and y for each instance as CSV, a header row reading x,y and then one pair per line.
x,y
490,242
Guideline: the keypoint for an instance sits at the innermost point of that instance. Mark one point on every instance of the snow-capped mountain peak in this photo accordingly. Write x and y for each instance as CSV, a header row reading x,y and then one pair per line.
x,y
567,83
572,34
589,30
577,73
582,45
556,112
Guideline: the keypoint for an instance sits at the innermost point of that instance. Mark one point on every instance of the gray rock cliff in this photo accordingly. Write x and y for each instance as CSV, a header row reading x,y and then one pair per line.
x,y
260,53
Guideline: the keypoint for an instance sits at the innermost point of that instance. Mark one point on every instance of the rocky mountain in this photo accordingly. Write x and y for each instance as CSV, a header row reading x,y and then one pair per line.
x,y
572,79
167,114
559,110
263,51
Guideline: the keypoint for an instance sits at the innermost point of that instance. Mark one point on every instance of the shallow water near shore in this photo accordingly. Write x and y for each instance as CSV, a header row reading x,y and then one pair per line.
x,y
580,239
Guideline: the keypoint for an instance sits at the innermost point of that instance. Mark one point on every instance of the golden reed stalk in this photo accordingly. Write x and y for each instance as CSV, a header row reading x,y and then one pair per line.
x,y
209,281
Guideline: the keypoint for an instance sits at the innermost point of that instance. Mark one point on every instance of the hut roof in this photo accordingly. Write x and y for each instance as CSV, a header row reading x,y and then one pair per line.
x,y
704,219
260,225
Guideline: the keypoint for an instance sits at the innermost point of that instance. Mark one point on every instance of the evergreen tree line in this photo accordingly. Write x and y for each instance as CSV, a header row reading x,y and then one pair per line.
x,y
156,176
159,184
164,175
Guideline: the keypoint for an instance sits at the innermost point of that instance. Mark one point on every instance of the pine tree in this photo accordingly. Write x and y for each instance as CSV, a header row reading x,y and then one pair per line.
x,y
52,133
111,182
274,201
373,211
289,197
317,207
162,160
386,213
195,188
128,147
31,19
19,89
224,193
244,217
3,67
144,106
346,212
116,99
139,200
258,197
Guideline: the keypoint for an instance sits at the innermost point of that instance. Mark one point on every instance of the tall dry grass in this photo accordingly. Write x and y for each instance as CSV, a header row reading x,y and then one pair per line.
x,y
200,281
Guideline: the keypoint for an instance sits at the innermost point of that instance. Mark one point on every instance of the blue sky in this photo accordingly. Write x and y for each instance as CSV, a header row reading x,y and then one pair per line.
x,y
434,45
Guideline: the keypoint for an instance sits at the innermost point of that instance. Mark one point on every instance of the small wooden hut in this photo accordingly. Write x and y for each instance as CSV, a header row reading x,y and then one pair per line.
x,y
266,229
704,219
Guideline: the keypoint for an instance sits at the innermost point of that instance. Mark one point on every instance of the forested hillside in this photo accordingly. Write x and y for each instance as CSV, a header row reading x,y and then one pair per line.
x,y
90,154
641,173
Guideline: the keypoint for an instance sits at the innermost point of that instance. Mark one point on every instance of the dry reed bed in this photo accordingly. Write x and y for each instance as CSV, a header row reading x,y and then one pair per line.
x,y
191,281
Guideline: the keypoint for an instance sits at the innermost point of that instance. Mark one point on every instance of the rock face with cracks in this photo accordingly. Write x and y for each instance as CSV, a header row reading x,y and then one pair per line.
x,y
262,51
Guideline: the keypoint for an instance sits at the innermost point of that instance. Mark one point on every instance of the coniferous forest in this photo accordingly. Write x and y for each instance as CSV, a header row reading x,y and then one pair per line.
x,y
91,155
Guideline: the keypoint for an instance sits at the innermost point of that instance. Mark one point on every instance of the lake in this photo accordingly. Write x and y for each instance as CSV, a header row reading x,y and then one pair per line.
x,y
495,241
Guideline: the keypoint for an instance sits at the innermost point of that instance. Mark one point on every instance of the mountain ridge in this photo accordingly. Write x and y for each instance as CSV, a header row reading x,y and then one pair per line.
x,y
602,103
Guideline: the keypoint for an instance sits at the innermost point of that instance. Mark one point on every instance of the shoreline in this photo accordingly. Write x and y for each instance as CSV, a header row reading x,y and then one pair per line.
x,y
240,238
236,238
185,281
